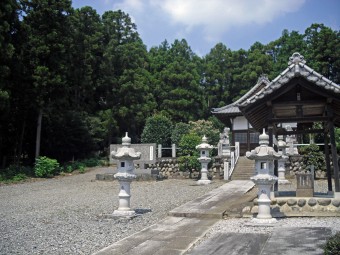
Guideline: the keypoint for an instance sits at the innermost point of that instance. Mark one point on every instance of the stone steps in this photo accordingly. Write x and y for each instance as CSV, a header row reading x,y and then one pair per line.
x,y
244,169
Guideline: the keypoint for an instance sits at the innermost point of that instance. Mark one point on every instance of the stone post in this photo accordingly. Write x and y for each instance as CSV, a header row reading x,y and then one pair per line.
x,y
125,156
264,157
173,150
224,152
204,159
159,151
281,144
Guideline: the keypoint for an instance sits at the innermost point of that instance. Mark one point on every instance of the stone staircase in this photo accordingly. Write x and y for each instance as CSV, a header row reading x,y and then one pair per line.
x,y
244,169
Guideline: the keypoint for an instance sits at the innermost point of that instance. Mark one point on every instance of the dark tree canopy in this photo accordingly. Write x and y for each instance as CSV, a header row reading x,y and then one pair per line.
x,y
79,81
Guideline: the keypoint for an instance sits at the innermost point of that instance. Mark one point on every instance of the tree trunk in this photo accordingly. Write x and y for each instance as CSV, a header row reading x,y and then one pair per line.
x,y
37,142
22,135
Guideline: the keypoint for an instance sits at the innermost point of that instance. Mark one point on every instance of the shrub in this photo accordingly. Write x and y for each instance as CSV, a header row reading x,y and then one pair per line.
x,y
46,167
179,130
15,173
313,156
332,246
157,129
92,162
189,155
205,127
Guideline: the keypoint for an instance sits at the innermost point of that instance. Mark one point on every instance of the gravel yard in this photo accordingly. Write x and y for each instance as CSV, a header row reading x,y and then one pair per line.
x,y
63,215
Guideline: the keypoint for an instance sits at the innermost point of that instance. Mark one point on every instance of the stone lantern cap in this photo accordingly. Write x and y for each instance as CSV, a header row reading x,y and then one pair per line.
x,y
204,145
126,152
264,151
281,144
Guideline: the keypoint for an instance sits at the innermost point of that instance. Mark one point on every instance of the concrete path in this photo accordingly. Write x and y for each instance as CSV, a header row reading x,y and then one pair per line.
x,y
283,241
176,235
215,203
172,236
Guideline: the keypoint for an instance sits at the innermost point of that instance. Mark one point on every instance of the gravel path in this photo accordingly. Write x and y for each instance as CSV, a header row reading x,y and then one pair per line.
x,y
63,215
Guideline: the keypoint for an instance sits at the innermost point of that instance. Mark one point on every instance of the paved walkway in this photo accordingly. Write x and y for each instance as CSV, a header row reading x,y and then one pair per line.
x,y
185,225
175,235
283,241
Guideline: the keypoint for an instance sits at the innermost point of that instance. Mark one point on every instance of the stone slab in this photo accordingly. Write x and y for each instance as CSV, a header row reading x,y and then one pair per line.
x,y
173,235
232,244
304,192
283,241
215,203
292,241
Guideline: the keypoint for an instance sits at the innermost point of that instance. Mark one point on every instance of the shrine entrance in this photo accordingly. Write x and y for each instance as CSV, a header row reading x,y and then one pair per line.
x,y
298,95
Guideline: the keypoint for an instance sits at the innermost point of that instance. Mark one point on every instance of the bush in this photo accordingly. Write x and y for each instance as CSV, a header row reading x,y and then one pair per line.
x,y
15,173
46,167
179,130
92,162
205,127
189,155
157,129
332,246
313,156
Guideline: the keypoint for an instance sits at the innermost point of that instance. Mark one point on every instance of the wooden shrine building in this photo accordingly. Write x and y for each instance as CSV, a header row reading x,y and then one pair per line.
x,y
299,96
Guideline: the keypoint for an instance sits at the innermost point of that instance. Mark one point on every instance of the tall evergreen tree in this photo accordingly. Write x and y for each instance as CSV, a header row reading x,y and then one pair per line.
x,y
217,77
125,79
46,23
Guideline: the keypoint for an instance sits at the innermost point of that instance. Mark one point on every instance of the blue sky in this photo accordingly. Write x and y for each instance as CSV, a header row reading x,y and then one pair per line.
x,y
235,23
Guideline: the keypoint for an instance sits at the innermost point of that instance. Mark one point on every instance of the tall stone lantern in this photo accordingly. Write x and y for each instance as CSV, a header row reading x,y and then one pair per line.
x,y
281,144
126,173
204,159
264,157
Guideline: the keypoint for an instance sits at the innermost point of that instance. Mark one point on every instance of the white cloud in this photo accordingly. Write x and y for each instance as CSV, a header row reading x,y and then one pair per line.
x,y
217,16
212,17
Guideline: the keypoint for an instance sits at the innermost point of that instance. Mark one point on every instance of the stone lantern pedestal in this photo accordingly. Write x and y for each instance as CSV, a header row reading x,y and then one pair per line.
x,y
224,152
264,157
282,162
204,159
125,175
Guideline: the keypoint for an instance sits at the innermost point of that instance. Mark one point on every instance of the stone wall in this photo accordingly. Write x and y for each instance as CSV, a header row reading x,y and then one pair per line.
x,y
169,168
295,165
298,207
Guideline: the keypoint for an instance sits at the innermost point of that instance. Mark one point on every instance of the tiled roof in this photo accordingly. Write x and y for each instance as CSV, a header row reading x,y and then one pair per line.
x,y
233,109
296,68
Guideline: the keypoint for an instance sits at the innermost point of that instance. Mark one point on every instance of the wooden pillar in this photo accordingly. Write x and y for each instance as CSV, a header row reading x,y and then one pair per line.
x,y
334,156
328,163
271,143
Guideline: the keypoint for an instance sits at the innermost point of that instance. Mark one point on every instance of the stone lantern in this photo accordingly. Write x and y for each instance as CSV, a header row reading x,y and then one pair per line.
x,y
204,159
264,178
281,144
126,173
224,151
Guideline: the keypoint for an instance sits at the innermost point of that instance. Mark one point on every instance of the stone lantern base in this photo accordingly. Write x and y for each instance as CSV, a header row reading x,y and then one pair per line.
x,y
263,222
203,182
124,214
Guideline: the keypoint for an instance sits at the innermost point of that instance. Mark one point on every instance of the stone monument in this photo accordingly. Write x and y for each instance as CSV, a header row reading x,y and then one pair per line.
x,y
204,159
264,157
126,173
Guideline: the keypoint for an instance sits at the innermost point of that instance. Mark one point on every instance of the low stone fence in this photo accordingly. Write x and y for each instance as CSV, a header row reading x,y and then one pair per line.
x,y
298,207
169,168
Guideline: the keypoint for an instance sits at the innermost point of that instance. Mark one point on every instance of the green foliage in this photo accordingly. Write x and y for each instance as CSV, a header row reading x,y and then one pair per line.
x,y
332,246
157,129
189,155
313,156
178,132
46,167
337,139
207,128
93,79
15,174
